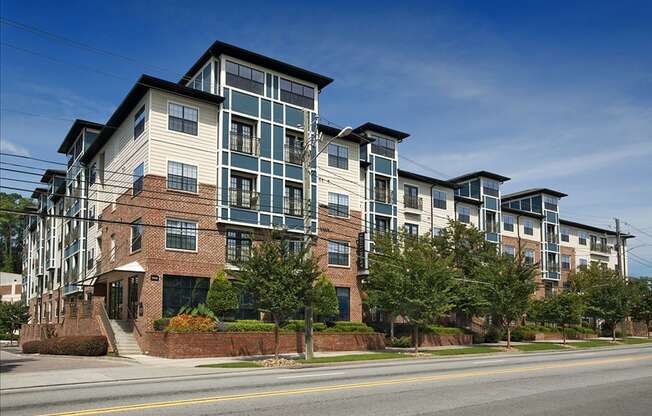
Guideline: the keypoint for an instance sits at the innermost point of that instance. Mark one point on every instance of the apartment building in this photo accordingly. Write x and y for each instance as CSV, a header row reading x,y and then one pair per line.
x,y
184,176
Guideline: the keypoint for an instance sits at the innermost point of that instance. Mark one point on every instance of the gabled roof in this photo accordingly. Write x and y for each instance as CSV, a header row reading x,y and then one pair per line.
x,y
593,228
77,126
427,179
520,212
533,191
382,130
218,48
52,173
144,83
477,174
333,131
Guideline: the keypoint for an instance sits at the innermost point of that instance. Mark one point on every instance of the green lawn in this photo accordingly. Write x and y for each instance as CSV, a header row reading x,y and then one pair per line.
x,y
541,346
355,357
592,344
634,341
236,364
477,349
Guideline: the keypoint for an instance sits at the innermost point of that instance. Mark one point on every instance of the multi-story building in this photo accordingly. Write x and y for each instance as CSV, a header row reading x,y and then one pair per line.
x,y
184,177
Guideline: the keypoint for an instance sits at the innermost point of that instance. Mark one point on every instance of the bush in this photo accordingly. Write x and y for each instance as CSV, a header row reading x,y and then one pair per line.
x,y
8,337
402,342
494,335
187,323
346,326
222,297
521,334
297,325
441,330
249,325
75,345
31,347
161,323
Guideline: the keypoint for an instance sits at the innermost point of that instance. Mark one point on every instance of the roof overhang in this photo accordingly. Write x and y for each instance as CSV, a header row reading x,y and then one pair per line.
x,y
77,126
478,174
593,228
465,200
534,191
519,212
427,179
399,135
333,131
52,173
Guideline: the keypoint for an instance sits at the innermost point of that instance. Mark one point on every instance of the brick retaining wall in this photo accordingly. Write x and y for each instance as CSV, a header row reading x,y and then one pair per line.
x,y
430,340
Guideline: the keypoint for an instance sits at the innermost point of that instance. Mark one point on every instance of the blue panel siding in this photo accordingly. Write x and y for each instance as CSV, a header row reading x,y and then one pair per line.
x,y
278,169
266,109
266,166
277,220
552,247
227,93
313,201
265,139
265,193
383,165
279,141
244,103
278,113
384,208
268,86
394,167
265,219
278,196
394,196
226,125
294,172
294,223
244,215
244,161
225,186
225,213
293,117
225,158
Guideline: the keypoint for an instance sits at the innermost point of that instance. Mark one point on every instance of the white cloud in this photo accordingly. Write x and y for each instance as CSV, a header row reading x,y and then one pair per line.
x,y
9,147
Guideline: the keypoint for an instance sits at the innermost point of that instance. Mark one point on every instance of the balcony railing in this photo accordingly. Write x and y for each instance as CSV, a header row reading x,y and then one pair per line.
x,y
602,248
382,196
294,154
241,198
553,267
244,144
552,238
413,202
293,206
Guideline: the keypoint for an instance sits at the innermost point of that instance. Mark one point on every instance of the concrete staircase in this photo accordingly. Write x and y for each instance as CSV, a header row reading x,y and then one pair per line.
x,y
124,338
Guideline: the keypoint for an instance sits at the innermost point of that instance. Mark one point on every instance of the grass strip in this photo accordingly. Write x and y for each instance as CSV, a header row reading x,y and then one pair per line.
x,y
541,346
235,364
467,350
592,344
355,357
634,341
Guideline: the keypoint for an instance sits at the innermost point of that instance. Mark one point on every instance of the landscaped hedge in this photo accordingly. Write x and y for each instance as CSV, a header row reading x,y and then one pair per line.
x,y
346,326
161,323
187,323
298,325
441,330
249,325
8,337
31,347
74,345
402,342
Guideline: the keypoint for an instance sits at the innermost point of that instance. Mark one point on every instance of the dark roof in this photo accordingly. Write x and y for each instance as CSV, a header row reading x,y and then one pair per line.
x,y
479,173
333,131
74,131
520,212
594,229
533,191
466,200
427,179
52,173
144,83
382,130
39,191
218,48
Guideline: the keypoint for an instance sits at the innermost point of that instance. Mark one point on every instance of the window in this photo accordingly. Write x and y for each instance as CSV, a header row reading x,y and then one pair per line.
x,y
381,224
584,262
294,149
338,253
439,199
464,215
244,77
525,204
92,174
509,250
436,231
508,223
203,80
242,193
338,156
528,227
294,246
550,203
238,246
565,263
411,197
565,235
294,201
338,205
139,122
383,147
412,230
182,177
344,303
181,235
182,118
242,138
491,223
138,178
582,236
490,187
529,256
297,94
381,189
90,259
136,235
112,248
180,291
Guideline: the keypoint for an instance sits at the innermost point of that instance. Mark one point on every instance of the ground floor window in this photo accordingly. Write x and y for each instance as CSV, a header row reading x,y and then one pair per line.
x,y
179,291
246,308
344,302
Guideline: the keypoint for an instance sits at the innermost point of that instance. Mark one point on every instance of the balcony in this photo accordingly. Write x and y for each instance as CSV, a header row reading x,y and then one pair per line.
x,y
294,154
552,238
293,206
240,198
244,144
553,267
382,195
413,202
601,248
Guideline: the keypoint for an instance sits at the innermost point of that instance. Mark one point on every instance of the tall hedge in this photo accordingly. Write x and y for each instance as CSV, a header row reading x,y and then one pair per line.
x,y
222,298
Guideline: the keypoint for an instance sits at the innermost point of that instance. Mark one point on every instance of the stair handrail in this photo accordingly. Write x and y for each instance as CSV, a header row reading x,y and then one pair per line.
x,y
110,335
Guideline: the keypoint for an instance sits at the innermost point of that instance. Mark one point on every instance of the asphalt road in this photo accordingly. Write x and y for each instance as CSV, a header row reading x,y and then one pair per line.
x,y
606,382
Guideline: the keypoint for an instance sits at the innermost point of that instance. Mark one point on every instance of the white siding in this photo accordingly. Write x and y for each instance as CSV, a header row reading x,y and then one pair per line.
x,y
341,181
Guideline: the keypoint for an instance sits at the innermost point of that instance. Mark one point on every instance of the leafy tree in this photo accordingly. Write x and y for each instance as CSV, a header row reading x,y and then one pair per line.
x,y
510,284
325,298
12,316
642,303
11,231
280,280
563,309
222,297
410,278
536,310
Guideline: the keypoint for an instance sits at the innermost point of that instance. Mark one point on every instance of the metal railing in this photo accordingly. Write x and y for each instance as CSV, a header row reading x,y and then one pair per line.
x,y
293,206
552,238
244,144
294,154
382,196
599,247
414,202
241,198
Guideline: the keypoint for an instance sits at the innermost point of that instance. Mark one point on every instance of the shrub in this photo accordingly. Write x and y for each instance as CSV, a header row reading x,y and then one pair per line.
x,y
31,347
161,323
402,342
346,326
199,310
494,335
8,337
222,297
249,325
187,323
441,330
521,334
75,345
297,325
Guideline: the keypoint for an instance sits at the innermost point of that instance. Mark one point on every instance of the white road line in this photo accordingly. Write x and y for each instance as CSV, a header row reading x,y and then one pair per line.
x,y
488,361
310,375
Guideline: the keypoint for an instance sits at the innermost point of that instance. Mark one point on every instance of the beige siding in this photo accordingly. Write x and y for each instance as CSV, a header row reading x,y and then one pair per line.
x,y
585,252
519,227
440,217
341,181
475,212
411,215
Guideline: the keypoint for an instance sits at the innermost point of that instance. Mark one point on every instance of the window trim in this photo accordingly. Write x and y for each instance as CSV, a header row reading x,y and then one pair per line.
x,y
434,205
338,157
505,223
242,233
136,115
348,206
348,254
138,221
409,224
167,175
141,180
182,105
182,249
459,214
525,227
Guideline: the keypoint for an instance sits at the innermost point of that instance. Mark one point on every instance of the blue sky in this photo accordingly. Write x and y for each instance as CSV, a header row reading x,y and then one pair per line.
x,y
552,94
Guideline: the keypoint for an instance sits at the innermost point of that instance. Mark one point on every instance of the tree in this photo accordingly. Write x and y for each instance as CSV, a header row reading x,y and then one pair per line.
x,y
12,316
410,278
222,297
511,282
11,231
279,279
325,298
563,309
642,303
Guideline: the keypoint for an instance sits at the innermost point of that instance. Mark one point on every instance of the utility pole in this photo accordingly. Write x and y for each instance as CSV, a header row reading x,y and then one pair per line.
x,y
309,140
618,248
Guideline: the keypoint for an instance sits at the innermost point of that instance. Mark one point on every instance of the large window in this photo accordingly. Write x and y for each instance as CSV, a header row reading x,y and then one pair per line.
x,y
508,223
509,250
381,189
529,256
338,253
383,147
565,263
565,235
137,235
344,303
180,291
439,199
338,156
138,177
582,236
297,94
182,177
381,224
464,215
139,122
181,235
294,149
242,192
412,230
244,77
294,200
238,246
411,197
338,205
490,187
203,80
182,118
242,138
528,227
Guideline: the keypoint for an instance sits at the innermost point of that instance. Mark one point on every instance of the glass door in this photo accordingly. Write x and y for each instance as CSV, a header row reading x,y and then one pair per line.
x,y
132,295
115,300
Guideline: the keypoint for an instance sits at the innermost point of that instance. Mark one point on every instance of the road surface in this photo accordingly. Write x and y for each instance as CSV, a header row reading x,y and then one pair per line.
x,y
592,382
